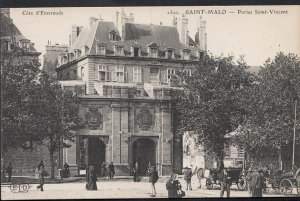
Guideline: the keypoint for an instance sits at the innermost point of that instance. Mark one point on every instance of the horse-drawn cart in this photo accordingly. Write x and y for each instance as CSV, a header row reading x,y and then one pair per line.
x,y
283,183
235,175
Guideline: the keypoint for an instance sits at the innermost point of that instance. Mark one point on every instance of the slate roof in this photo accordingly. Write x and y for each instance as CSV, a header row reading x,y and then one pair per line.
x,y
8,30
135,34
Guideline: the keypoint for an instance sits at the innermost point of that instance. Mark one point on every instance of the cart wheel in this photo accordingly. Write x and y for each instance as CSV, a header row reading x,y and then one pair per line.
x,y
241,184
209,184
286,186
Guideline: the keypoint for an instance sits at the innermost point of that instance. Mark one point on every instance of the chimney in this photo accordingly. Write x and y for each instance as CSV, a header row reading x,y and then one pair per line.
x,y
183,29
75,32
201,35
92,20
131,18
160,23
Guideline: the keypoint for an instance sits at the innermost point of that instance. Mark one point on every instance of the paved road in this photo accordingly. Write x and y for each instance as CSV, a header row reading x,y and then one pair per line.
x,y
108,189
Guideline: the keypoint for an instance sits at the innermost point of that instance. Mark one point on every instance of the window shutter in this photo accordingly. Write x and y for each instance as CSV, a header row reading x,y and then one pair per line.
x,y
125,77
113,76
165,78
107,76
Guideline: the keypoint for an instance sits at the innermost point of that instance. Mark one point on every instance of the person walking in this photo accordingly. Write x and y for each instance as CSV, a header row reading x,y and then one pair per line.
x,y
257,183
200,176
91,179
41,174
135,172
174,187
225,183
3,170
41,165
153,177
111,170
188,178
66,170
104,170
9,171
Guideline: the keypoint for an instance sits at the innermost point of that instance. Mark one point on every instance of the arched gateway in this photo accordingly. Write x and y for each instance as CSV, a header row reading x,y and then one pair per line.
x,y
95,153
144,151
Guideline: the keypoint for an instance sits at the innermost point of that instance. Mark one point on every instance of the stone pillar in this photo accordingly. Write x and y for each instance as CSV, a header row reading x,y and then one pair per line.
x,y
166,137
70,158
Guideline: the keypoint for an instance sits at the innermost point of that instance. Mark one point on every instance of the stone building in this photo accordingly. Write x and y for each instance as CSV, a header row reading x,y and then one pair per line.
x,y
50,61
128,72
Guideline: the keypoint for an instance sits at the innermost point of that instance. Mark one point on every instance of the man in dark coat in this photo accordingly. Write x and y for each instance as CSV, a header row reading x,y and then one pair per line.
x,y
66,170
173,186
153,177
135,172
225,183
41,164
41,177
3,170
111,170
200,176
188,178
9,171
257,183
91,179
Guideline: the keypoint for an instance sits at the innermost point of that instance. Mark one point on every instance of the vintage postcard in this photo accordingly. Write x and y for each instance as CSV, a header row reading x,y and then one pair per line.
x,y
150,102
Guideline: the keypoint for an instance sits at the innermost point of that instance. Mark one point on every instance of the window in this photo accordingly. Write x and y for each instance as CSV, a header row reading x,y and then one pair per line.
x,y
119,50
188,71
119,75
75,74
152,50
154,75
136,51
103,73
68,76
112,36
137,74
170,72
241,152
226,150
77,53
82,72
185,54
101,49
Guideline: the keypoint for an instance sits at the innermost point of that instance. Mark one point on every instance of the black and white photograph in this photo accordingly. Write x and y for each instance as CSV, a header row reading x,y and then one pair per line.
x,y
150,102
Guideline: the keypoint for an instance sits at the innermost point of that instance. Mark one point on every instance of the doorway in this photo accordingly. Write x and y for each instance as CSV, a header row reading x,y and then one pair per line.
x,y
143,153
95,153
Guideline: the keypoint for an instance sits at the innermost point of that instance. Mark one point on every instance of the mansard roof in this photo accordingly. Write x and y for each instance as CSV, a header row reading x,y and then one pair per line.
x,y
9,31
135,35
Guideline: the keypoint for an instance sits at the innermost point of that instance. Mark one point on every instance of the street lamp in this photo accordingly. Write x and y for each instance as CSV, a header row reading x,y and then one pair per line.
x,y
120,133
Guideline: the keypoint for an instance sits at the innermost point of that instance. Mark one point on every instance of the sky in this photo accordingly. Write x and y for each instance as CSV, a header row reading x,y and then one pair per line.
x,y
253,31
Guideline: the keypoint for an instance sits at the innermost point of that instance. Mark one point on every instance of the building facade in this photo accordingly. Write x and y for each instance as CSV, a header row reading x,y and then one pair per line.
x,y
127,72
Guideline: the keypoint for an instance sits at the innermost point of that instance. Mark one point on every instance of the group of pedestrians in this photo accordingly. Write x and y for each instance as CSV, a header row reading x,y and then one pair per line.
x,y
107,171
6,169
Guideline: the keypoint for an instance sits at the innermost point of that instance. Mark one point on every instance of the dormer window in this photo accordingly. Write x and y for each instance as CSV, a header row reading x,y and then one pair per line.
x,y
7,45
152,49
77,53
101,49
112,35
135,51
24,44
70,56
169,53
199,54
119,50
185,54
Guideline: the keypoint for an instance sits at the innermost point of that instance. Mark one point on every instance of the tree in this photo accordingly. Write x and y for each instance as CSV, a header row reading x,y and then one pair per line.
x,y
214,101
55,115
17,78
270,124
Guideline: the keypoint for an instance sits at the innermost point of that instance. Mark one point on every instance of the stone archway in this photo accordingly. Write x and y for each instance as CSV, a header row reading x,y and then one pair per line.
x,y
144,151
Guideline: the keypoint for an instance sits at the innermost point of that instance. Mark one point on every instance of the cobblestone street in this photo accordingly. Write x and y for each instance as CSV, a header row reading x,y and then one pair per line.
x,y
110,189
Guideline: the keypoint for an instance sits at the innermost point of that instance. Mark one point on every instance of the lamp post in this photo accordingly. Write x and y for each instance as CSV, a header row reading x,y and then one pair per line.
x,y
120,133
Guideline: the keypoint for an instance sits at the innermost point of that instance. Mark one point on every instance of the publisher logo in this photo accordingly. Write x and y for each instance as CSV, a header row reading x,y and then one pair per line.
x,y
19,188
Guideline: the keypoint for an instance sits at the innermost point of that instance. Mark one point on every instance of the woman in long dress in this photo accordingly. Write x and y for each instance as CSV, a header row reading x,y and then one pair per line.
x,y
91,179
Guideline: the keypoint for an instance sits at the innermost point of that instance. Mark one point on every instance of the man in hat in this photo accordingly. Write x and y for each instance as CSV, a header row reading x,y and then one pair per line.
x,y
257,182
